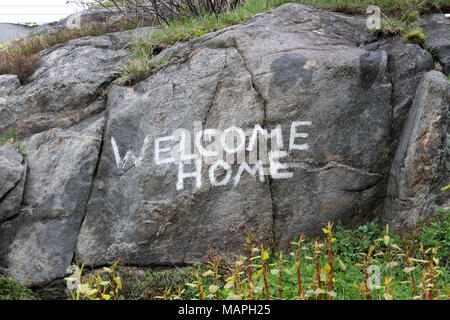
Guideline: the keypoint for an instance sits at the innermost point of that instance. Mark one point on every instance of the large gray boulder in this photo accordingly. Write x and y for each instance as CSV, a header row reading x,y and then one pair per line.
x,y
422,163
291,64
136,212
334,99
37,245
12,177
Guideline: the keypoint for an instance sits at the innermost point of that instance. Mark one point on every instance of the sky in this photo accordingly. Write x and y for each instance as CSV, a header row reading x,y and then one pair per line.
x,y
38,11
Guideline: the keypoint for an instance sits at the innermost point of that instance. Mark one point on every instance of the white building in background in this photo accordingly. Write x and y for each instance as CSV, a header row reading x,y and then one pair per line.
x,y
14,15
10,31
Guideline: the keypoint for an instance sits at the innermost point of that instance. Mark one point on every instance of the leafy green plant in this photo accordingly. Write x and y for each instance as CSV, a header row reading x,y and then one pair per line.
x,y
339,267
96,286
433,52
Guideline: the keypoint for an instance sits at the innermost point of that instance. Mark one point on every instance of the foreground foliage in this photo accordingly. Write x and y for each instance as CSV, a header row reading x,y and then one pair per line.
x,y
99,286
12,290
346,264
364,263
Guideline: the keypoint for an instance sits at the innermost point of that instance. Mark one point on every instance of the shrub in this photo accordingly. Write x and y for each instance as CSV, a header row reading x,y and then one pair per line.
x,y
19,64
99,286
13,290
170,9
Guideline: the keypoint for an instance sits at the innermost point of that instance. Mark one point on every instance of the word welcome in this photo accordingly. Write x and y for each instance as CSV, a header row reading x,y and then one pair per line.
x,y
220,149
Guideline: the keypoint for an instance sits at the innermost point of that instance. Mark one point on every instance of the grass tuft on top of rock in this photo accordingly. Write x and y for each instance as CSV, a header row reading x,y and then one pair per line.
x,y
415,35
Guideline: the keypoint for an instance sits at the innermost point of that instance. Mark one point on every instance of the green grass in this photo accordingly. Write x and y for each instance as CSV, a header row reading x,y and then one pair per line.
x,y
392,27
400,12
11,137
13,290
20,57
400,9
349,250
185,29
414,34
227,273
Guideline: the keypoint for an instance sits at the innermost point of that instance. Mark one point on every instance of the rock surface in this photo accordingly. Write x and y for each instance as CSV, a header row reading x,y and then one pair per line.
x,y
435,27
68,80
422,163
8,83
12,177
38,244
101,184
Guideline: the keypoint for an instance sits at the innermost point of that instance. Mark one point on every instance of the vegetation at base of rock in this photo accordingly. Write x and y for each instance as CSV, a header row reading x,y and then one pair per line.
x,y
152,283
119,282
105,286
13,290
412,265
